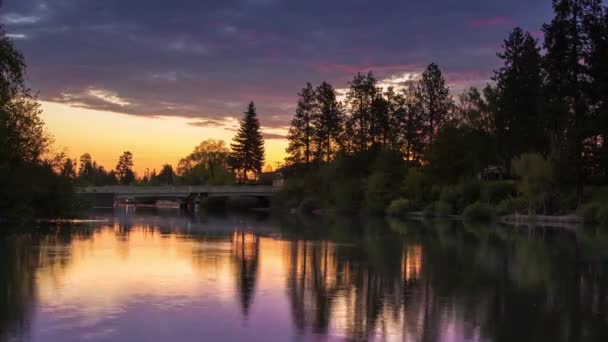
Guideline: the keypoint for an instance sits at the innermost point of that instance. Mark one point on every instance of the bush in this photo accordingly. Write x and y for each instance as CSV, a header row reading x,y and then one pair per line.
x,y
443,209
417,188
399,207
471,193
308,205
589,212
512,205
478,212
537,177
496,192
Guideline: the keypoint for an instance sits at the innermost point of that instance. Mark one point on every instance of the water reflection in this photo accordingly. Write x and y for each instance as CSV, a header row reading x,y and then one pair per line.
x,y
156,276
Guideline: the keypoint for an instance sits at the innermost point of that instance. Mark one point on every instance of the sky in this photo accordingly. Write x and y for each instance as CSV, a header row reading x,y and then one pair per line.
x,y
158,77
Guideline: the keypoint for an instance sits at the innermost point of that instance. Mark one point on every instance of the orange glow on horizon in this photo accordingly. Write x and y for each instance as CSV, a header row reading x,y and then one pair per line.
x,y
153,141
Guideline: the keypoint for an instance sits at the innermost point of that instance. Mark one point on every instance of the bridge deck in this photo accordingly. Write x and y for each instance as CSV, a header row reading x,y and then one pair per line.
x,y
181,191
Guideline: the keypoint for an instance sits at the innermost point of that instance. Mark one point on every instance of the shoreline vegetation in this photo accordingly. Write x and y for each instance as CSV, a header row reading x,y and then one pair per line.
x,y
530,146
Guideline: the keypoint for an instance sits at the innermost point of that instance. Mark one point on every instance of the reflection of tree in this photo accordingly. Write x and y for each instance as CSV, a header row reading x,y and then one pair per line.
x,y
439,281
245,251
17,271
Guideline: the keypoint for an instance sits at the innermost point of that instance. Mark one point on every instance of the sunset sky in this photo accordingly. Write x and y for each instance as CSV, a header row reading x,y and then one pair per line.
x,y
158,77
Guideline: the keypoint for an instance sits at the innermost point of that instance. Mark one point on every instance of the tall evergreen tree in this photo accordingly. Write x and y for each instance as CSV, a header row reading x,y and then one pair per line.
x,y
360,128
565,65
302,133
435,101
596,29
517,118
328,121
248,145
410,125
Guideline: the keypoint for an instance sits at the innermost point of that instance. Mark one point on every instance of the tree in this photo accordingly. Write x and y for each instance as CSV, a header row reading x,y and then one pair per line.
x,y
328,123
360,130
166,175
124,171
12,69
301,133
565,67
409,124
518,120
248,146
207,164
435,101
68,169
537,176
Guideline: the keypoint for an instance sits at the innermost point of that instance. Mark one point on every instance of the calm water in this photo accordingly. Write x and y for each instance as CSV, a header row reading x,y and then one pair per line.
x,y
158,276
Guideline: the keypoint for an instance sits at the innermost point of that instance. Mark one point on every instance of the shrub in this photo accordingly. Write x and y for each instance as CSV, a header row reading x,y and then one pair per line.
x,y
417,188
512,205
478,212
471,193
308,205
589,212
451,195
398,207
443,209
496,192
537,176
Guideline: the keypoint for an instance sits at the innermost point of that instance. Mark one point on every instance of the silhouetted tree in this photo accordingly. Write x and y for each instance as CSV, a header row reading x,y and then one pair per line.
x,y
360,131
124,168
566,83
328,121
207,164
302,133
435,101
166,175
248,146
68,169
518,119
409,124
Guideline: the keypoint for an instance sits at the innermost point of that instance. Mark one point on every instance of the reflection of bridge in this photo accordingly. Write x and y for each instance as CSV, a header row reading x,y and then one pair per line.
x,y
105,196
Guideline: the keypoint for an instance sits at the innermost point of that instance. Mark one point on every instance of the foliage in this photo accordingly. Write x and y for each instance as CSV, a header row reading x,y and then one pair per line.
x,y
379,189
398,207
459,153
435,100
478,212
302,133
512,205
124,169
206,165
417,187
248,145
497,191
537,175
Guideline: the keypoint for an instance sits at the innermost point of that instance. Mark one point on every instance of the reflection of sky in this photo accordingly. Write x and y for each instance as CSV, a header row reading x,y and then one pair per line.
x,y
147,284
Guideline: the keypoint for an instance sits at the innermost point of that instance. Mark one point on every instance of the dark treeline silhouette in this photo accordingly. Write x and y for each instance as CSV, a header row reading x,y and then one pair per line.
x,y
30,184
544,121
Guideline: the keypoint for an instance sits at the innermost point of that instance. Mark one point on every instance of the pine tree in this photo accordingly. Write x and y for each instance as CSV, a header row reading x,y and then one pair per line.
x,y
360,129
302,133
248,145
328,121
435,101
566,83
518,121
410,125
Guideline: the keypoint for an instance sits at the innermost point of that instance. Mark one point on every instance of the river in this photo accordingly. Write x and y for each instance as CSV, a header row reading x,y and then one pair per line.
x,y
159,275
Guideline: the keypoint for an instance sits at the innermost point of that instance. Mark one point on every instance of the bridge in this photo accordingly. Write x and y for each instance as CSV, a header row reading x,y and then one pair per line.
x,y
105,196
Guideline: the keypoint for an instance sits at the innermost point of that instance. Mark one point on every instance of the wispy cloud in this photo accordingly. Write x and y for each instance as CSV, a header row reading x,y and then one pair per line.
x,y
18,19
326,67
17,35
184,46
109,97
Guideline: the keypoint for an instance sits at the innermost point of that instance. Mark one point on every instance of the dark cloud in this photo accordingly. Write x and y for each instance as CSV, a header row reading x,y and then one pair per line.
x,y
273,136
206,59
